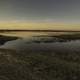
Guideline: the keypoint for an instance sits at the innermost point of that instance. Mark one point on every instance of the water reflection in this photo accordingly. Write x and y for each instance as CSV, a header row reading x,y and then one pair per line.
x,y
30,34
43,44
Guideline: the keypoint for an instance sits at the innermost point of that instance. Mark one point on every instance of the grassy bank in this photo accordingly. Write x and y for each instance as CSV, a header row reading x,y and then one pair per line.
x,y
4,39
39,66
74,36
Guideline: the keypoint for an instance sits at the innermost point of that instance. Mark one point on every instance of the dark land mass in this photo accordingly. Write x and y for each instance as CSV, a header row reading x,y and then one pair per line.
x,y
57,38
6,30
4,39
39,66
75,36
68,37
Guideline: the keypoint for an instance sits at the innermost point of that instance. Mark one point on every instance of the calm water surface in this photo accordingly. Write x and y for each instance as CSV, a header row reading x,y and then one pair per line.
x,y
24,43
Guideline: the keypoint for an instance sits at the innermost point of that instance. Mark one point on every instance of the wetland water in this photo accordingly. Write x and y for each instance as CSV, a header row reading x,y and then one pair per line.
x,y
41,41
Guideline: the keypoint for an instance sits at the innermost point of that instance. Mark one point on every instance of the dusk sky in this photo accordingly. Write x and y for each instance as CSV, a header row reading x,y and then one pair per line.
x,y
50,11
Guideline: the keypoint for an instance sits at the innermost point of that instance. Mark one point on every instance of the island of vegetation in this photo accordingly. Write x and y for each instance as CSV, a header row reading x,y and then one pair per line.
x,y
4,39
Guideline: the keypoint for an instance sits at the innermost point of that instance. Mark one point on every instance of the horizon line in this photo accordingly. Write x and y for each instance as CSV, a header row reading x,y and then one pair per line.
x,y
37,30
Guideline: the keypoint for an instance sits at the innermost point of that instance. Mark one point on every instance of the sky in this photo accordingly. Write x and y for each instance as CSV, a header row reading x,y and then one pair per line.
x,y
40,11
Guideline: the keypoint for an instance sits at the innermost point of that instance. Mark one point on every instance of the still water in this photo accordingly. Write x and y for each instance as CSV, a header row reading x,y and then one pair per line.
x,y
24,43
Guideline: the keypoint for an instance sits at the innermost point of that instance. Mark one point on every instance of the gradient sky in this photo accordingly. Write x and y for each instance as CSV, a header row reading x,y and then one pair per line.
x,y
48,10
55,11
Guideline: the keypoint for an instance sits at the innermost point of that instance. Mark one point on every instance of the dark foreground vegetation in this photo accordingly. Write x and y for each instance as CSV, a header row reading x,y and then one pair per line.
x,y
74,36
4,39
39,65
53,38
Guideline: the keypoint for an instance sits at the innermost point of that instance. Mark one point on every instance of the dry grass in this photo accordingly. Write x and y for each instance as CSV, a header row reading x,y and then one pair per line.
x,y
38,66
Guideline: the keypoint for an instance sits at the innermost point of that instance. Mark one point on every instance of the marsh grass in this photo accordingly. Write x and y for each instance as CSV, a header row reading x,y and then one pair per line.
x,y
38,66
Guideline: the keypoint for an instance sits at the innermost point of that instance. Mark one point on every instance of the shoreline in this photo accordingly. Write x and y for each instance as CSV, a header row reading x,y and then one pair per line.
x,y
17,30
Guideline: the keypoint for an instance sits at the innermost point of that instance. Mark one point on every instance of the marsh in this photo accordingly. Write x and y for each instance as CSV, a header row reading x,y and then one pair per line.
x,y
34,41
40,56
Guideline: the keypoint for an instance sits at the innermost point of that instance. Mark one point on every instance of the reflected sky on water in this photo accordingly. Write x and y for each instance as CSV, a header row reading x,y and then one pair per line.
x,y
24,43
